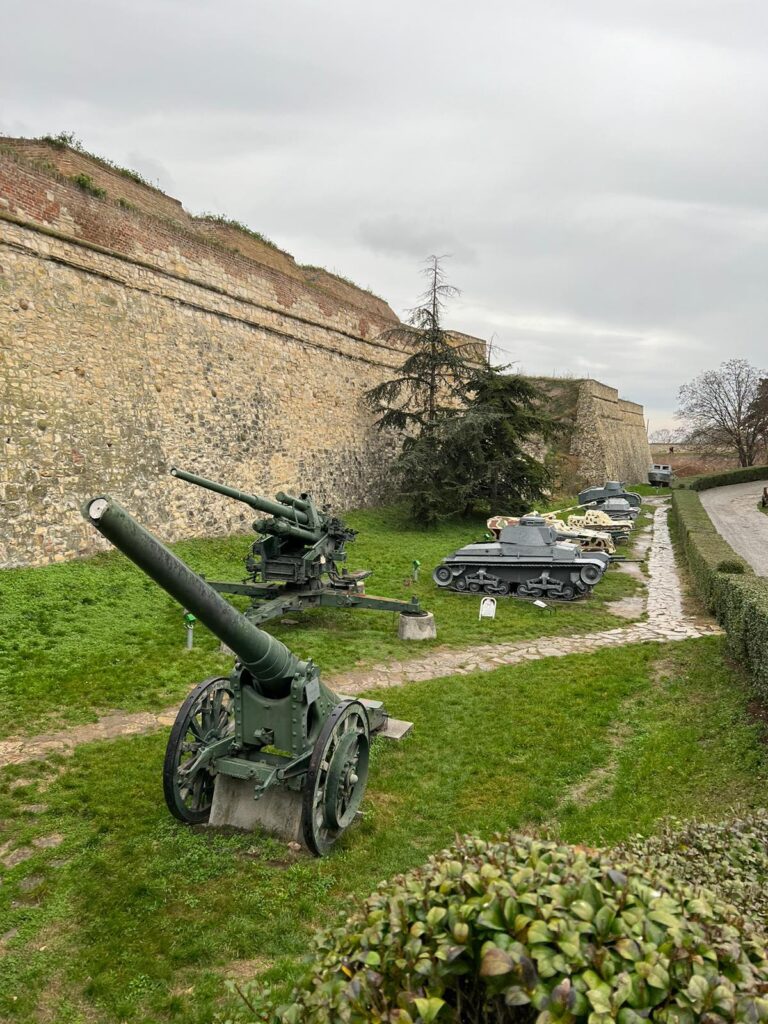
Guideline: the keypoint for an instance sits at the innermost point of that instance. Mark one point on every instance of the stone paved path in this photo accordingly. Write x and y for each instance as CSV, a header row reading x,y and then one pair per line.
x,y
666,621
739,521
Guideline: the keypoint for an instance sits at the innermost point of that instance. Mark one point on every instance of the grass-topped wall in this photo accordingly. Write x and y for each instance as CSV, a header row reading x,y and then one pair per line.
x,y
726,584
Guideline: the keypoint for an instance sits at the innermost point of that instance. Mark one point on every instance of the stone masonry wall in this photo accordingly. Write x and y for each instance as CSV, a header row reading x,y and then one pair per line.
x,y
129,343
134,337
610,439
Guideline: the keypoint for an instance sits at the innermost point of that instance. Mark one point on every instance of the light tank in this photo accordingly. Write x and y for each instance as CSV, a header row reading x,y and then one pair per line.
x,y
587,540
611,489
619,508
526,561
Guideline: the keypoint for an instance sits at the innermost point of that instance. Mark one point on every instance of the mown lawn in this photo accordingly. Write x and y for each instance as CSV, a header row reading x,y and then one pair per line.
x,y
83,637
133,917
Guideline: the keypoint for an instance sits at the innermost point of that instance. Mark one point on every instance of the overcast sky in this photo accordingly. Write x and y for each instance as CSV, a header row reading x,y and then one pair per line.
x,y
596,168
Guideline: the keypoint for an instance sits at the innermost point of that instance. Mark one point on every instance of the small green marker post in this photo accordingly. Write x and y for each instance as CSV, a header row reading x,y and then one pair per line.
x,y
189,623
416,565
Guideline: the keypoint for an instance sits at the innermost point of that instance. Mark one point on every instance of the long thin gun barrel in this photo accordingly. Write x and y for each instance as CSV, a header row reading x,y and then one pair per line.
x,y
273,508
269,661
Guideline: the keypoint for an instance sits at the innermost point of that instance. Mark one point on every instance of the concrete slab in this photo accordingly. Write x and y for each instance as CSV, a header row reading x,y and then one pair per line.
x,y
396,729
278,811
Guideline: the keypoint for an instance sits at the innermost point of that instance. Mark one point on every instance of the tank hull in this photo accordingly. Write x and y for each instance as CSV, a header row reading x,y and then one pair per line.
x,y
488,569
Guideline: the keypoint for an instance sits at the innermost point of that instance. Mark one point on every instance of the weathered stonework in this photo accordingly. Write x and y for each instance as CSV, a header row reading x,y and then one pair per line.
x,y
134,336
610,439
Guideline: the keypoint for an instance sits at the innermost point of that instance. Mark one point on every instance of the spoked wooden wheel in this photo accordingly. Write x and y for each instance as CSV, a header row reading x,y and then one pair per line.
x,y
205,716
336,778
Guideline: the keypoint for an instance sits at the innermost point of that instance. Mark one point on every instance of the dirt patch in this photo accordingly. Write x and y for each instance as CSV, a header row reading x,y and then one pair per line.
x,y
244,970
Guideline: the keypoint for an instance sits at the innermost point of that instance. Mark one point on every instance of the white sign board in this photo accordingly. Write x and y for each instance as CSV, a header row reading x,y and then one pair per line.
x,y
488,608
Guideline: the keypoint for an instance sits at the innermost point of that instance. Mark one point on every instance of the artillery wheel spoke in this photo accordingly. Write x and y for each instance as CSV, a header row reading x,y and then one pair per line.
x,y
337,776
206,716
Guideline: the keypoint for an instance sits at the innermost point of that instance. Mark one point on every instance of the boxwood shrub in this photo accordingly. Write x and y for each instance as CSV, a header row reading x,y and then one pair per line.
x,y
731,476
521,930
727,585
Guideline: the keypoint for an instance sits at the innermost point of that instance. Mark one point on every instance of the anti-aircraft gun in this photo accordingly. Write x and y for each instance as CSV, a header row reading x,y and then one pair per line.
x,y
296,562
270,730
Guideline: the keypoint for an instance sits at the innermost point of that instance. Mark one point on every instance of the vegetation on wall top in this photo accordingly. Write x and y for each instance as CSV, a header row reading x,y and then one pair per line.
x,y
68,140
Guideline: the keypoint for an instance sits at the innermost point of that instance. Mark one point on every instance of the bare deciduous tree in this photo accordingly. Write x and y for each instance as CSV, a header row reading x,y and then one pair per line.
x,y
666,436
723,411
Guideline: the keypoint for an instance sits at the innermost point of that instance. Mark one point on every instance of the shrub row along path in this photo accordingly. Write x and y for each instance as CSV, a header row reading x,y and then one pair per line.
x,y
666,621
739,521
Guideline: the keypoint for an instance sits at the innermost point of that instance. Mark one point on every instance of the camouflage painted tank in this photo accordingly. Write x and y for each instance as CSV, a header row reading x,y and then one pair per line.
x,y
526,561
587,540
596,519
610,490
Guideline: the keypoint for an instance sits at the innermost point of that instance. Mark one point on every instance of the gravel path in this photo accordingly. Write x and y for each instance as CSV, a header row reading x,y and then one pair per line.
x,y
738,520
666,621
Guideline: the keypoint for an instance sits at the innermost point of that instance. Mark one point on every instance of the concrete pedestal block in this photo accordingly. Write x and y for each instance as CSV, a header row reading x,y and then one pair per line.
x,y
278,811
417,627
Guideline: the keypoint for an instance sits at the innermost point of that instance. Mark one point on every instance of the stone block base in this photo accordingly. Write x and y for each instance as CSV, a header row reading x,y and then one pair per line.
x,y
278,811
417,627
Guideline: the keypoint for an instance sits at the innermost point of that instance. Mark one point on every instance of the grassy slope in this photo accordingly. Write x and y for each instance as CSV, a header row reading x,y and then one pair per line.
x,y
132,917
83,637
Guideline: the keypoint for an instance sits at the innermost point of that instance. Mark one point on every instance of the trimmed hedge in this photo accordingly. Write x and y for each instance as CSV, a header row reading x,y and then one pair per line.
x,y
727,585
517,931
731,476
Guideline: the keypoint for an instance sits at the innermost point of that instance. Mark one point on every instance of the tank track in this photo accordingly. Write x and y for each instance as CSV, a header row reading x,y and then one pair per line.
x,y
476,581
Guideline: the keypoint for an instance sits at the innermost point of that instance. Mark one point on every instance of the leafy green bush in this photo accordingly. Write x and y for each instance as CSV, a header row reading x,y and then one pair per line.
x,y
730,858
520,930
731,476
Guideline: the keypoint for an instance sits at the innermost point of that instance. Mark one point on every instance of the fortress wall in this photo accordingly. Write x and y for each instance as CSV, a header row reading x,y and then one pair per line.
x,y
128,344
609,439
134,336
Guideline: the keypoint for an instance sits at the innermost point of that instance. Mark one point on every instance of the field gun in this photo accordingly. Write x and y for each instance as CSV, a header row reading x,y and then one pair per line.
x,y
268,745
296,562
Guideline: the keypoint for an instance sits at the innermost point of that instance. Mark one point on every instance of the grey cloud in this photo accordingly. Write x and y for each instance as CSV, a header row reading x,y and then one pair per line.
x,y
596,168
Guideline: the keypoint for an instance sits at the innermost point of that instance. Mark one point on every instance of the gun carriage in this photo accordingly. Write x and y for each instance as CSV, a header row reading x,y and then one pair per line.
x,y
296,562
271,729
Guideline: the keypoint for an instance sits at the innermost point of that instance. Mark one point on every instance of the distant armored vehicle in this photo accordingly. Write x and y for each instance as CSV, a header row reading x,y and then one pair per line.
x,y
619,508
612,489
526,561
587,540
660,475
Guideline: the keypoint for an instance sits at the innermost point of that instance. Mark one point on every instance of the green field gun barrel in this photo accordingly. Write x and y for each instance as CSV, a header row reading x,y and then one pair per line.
x,y
272,508
281,528
269,661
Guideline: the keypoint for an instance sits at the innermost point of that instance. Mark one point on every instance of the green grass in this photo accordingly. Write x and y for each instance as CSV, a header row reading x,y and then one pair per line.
x,y
134,918
86,636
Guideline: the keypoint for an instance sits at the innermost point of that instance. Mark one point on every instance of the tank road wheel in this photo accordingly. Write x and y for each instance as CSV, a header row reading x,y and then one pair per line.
x,y
208,714
523,590
460,584
502,588
442,575
591,574
336,778
567,592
